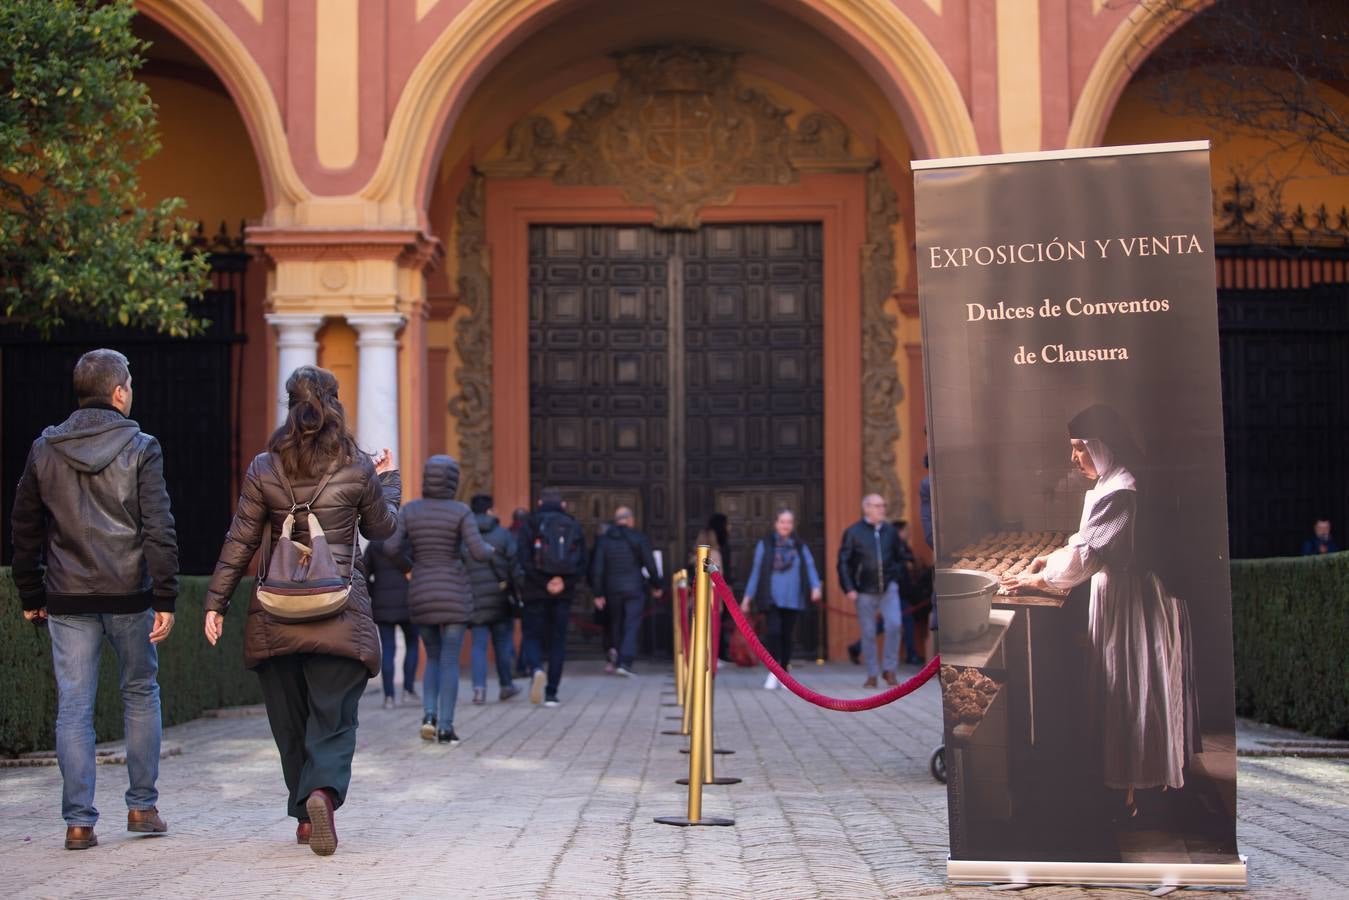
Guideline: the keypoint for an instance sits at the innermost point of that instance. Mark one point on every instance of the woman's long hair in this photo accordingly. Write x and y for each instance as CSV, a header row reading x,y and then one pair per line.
x,y
314,437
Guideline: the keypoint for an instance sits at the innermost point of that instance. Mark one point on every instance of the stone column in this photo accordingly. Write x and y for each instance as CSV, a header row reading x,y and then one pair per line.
x,y
377,381
296,346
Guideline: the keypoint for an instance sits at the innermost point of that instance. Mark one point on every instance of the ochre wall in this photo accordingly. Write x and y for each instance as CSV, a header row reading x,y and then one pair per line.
x,y
1136,120
337,354
206,157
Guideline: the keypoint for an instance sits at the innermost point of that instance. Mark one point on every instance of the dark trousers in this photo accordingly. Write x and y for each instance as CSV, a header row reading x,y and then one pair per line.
x,y
625,619
545,626
387,632
311,703
782,633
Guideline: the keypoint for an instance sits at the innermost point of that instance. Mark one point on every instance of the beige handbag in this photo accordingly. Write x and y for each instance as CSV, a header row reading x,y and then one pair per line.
x,y
303,584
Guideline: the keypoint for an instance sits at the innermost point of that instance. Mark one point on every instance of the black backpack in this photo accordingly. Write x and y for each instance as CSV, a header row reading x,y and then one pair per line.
x,y
557,545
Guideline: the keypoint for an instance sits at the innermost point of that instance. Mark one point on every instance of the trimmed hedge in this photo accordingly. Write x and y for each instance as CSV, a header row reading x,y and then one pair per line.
x,y
193,675
1290,619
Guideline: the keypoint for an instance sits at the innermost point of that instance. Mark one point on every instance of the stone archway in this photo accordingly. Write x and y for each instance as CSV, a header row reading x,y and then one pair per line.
x,y
223,51
890,46
631,138
1135,37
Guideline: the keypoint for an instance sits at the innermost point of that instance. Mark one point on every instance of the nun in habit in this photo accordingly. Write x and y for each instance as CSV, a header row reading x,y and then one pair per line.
x,y
1140,677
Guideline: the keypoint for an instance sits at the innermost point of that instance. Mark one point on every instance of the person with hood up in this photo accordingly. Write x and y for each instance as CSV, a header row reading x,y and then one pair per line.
x,y
1141,678
95,555
495,582
430,533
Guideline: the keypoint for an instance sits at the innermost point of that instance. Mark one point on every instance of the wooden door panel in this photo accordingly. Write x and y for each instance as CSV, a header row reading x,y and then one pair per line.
x,y
729,421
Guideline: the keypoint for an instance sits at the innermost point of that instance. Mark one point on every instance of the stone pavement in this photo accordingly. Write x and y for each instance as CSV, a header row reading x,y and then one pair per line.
x,y
558,803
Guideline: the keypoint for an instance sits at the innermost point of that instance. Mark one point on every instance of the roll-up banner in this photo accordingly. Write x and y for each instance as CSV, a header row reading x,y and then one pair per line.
x,y
1070,339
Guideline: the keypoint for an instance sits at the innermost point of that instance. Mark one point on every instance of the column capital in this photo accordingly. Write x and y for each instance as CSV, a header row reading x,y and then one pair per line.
x,y
293,323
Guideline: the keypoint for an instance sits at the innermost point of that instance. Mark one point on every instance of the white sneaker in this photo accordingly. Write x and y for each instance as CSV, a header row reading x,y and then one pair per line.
x,y
536,686
771,683
626,673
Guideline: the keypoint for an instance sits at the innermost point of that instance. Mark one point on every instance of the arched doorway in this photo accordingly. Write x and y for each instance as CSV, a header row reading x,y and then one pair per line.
x,y
535,172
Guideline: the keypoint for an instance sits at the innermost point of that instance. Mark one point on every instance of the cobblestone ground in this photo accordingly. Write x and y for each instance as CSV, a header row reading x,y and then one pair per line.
x,y
558,803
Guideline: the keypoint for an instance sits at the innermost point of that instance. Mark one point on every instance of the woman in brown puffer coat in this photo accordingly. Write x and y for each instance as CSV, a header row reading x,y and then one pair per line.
x,y
430,533
313,673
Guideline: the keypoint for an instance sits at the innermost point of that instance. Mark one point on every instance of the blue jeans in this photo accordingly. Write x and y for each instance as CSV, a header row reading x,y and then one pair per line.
x,y
440,682
501,634
77,645
545,624
388,644
887,604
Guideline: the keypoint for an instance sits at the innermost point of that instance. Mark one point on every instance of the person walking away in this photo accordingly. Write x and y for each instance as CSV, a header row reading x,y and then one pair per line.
x,y
431,532
388,583
1320,541
312,673
519,521
494,583
716,536
870,565
783,576
95,556
622,570
553,555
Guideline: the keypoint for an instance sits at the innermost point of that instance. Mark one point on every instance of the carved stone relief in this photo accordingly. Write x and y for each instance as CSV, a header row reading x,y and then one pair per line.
x,y
677,132
472,405
881,388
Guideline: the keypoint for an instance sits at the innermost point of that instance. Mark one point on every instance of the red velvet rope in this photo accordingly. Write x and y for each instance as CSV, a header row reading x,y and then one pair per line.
x,y
716,633
724,594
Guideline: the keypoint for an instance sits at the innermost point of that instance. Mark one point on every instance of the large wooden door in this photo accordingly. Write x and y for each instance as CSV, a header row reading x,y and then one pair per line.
x,y
680,373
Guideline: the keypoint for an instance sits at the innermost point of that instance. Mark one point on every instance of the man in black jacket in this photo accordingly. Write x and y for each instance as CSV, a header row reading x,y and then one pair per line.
x,y
95,555
621,572
870,565
553,556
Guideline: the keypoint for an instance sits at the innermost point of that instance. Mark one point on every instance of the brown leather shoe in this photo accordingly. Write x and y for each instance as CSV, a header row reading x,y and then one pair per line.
x,y
145,821
302,831
322,831
870,682
890,678
80,837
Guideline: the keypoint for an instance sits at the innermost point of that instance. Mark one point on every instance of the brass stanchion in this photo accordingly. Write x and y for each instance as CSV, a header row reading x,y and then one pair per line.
x,y
680,582
709,753
700,672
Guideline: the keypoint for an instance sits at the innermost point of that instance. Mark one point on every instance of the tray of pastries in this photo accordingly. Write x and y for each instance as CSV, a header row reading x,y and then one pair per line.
x,y
1011,553
967,695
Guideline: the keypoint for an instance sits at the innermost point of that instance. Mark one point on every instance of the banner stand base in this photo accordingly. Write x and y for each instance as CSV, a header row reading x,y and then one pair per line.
x,y
963,871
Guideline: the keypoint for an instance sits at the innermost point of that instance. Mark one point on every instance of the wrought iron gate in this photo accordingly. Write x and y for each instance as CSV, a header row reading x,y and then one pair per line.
x,y
186,396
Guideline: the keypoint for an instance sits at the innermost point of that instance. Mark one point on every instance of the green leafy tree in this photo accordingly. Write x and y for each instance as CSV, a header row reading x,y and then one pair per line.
x,y
77,239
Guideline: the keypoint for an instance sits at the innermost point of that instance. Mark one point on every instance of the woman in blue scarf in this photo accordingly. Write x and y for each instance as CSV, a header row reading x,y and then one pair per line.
x,y
782,595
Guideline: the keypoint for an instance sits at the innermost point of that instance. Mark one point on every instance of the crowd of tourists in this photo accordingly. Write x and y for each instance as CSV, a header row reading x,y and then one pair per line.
x,y
95,556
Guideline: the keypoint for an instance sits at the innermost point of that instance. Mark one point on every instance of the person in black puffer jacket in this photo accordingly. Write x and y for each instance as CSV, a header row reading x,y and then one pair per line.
x,y
389,600
430,533
495,583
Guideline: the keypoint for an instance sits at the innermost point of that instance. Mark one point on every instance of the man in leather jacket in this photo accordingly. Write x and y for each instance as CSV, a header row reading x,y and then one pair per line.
x,y
95,554
870,565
